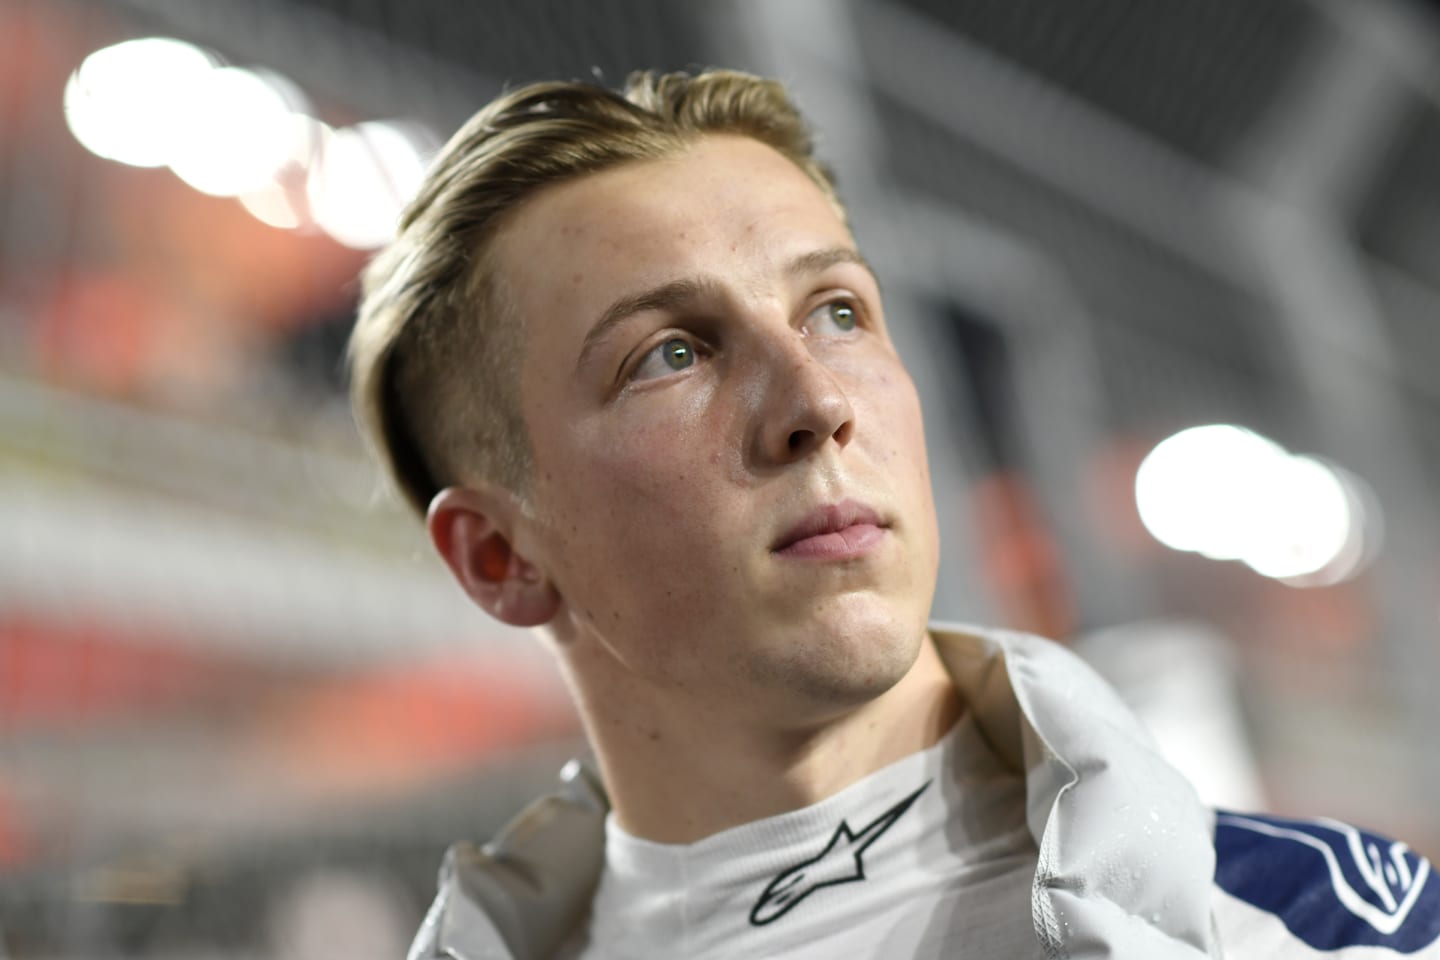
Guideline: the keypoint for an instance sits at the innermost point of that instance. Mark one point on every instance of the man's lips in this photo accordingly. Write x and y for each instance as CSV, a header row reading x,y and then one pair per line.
x,y
835,531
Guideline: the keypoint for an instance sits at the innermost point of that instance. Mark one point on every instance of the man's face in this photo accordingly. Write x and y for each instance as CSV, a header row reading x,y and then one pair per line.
x,y
707,378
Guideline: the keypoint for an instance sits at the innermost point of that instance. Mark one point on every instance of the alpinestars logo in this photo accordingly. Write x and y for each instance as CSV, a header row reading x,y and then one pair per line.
x,y
840,862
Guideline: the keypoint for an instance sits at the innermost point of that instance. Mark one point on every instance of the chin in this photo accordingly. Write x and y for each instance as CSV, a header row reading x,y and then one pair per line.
x,y
845,664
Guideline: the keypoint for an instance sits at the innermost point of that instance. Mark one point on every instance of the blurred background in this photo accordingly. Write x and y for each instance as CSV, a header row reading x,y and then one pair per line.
x,y
1167,273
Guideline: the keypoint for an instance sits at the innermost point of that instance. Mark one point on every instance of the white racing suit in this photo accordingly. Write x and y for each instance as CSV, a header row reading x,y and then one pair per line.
x,y
1130,865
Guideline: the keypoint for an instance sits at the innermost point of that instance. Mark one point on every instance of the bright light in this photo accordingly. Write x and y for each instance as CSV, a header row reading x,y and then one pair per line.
x,y
365,176
1228,493
124,102
1194,490
242,128
1309,520
234,132
273,205
1365,534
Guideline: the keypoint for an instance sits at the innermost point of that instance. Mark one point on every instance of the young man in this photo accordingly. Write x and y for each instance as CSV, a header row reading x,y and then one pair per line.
x,y
627,360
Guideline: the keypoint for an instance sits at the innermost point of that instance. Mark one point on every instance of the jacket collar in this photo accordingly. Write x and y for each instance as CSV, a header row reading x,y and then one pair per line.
x,y
1125,851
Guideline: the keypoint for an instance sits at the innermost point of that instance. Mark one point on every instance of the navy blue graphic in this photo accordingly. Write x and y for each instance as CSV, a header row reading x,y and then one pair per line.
x,y
838,863
1331,884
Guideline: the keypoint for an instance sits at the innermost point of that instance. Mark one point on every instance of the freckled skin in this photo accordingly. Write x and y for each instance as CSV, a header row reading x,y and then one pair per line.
x,y
671,491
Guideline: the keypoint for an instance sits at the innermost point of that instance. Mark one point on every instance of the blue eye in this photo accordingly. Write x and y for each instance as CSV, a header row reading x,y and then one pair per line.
x,y
837,315
671,356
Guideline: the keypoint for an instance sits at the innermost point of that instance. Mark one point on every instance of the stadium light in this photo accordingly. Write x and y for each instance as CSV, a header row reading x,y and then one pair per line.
x,y
364,177
1227,493
125,102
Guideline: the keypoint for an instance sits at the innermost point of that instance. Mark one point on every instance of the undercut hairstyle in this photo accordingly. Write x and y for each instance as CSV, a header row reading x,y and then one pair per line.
x,y
437,348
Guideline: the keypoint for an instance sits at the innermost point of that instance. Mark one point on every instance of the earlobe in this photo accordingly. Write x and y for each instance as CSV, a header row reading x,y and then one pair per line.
x,y
472,534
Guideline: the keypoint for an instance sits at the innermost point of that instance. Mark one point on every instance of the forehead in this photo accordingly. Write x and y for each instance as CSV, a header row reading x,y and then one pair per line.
x,y
727,207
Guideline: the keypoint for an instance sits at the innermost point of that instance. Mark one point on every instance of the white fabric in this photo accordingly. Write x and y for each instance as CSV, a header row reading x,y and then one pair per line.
x,y
1125,849
1264,935
949,876
1126,859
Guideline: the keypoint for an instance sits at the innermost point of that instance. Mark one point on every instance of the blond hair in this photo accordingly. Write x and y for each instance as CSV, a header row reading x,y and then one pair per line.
x,y
436,350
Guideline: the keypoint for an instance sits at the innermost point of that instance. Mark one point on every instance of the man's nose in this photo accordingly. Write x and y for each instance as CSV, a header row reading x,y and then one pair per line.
x,y
802,406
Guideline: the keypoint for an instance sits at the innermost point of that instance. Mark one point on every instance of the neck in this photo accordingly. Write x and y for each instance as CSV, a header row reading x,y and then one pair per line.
x,y
682,773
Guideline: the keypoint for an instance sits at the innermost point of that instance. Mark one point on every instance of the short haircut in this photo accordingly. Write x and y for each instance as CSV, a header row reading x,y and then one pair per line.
x,y
436,352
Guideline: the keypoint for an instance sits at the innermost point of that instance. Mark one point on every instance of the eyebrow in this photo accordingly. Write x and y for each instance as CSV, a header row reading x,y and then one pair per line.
x,y
677,293
818,261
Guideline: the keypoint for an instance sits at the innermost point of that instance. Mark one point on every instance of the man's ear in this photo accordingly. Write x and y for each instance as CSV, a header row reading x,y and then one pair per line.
x,y
473,531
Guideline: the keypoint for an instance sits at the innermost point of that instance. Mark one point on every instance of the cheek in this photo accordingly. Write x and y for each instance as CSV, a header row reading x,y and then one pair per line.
x,y
642,534
673,450
894,409
633,499
662,467
915,425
